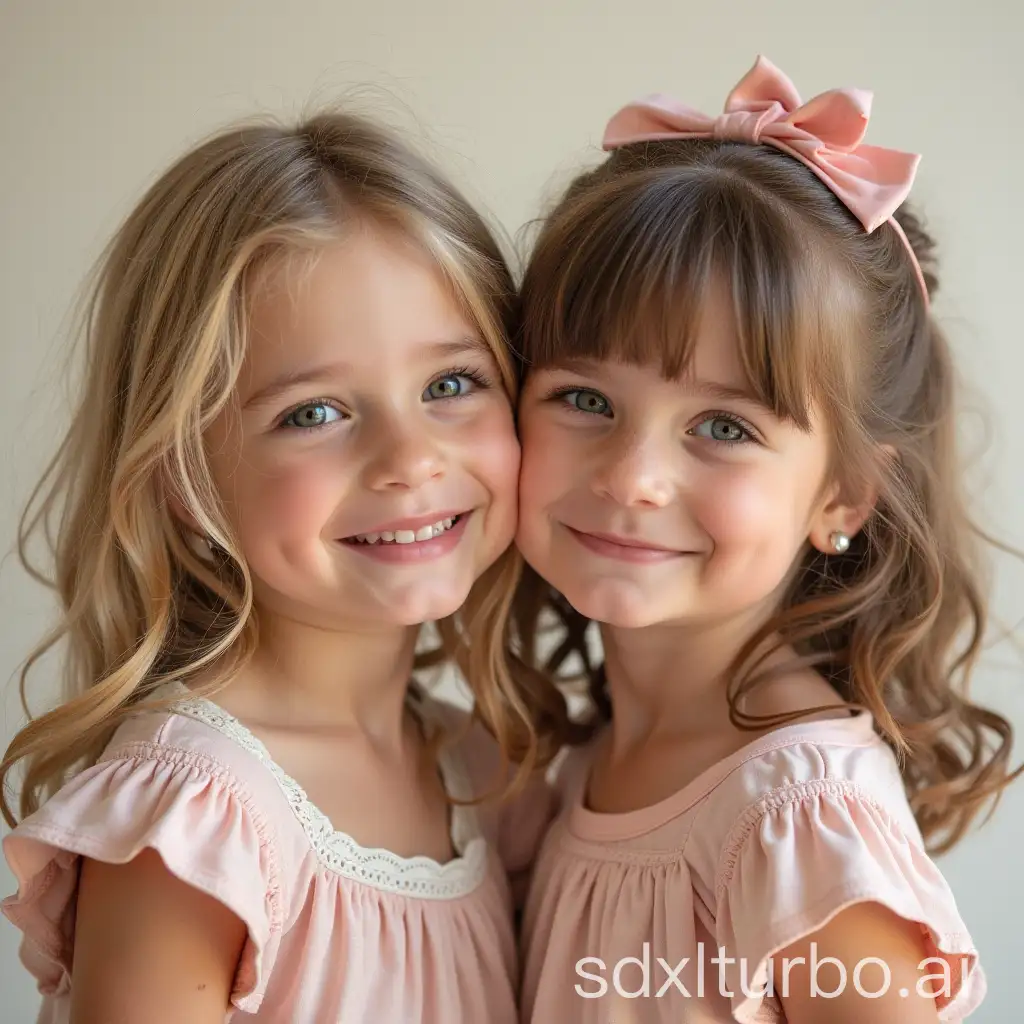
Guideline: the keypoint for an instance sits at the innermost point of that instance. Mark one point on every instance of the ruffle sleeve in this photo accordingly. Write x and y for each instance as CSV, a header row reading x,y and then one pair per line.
x,y
809,851
188,809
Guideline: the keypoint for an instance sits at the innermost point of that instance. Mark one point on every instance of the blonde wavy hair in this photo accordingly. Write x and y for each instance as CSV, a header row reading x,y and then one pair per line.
x,y
828,316
164,339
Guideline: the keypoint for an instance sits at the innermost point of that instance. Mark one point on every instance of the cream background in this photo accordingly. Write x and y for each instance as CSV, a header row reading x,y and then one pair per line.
x,y
98,97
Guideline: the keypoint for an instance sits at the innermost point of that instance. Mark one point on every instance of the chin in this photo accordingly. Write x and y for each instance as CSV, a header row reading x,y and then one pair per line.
x,y
619,604
416,607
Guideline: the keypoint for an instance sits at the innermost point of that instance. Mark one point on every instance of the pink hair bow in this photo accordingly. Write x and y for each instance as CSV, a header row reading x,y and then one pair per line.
x,y
824,134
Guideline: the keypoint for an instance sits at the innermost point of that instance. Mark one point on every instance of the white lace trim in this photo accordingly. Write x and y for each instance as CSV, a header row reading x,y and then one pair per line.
x,y
340,853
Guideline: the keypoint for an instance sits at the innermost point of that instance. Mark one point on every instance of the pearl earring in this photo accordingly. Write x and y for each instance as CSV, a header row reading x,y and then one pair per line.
x,y
201,546
840,542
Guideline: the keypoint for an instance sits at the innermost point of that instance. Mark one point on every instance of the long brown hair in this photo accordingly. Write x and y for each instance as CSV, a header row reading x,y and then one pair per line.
x,y
831,318
164,339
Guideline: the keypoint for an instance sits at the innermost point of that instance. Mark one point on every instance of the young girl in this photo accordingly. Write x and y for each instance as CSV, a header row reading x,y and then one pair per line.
x,y
738,458
295,445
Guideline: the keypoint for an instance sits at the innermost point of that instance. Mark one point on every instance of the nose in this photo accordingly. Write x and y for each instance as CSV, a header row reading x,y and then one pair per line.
x,y
638,472
404,458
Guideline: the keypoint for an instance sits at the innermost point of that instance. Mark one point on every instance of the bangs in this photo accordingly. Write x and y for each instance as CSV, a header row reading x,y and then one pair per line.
x,y
623,274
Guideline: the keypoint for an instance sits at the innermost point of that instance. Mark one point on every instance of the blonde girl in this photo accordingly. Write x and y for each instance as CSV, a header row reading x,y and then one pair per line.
x,y
294,446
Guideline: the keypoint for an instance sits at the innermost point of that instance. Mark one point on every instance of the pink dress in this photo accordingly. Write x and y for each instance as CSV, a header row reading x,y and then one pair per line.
x,y
336,932
627,912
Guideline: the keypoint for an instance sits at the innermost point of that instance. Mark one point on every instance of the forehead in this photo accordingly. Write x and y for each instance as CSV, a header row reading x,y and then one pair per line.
x,y
371,295
712,351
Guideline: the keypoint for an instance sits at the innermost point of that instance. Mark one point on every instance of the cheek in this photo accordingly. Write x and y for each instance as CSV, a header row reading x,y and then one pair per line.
x,y
548,461
284,496
753,508
489,444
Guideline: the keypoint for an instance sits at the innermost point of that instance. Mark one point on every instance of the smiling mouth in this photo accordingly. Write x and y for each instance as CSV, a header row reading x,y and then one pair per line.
x,y
424,533
624,549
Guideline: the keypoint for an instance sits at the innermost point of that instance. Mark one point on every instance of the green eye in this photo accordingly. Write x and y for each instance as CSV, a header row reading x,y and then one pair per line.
x,y
446,387
587,401
308,417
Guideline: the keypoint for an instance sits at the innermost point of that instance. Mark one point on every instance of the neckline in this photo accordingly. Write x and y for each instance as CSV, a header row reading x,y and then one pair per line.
x,y
337,851
857,729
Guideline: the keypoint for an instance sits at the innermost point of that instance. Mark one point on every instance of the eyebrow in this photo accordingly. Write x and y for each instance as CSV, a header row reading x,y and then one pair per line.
x,y
578,365
708,388
328,371
726,392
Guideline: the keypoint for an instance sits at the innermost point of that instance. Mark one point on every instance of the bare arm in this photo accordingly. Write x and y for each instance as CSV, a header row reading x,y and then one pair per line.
x,y
149,947
863,931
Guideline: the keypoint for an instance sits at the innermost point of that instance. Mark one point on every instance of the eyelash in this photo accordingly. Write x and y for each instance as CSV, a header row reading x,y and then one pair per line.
x,y
476,376
739,421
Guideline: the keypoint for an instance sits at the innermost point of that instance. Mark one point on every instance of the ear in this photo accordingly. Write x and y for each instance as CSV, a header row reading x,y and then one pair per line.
x,y
842,514
180,512
197,541
835,521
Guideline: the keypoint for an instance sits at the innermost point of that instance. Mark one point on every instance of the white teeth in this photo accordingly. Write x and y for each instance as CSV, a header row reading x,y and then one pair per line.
x,y
407,536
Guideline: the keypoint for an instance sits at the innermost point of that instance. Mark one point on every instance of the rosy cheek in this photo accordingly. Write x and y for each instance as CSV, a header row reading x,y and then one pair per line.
x,y
546,459
490,442
740,503
289,493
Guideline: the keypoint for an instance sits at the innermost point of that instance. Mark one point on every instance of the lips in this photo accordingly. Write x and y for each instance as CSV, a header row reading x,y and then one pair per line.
x,y
407,536
624,549
411,542
627,542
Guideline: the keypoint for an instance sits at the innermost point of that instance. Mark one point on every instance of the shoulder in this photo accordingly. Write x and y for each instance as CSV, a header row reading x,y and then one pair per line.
x,y
193,746
169,781
172,772
837,759
814,821
197,731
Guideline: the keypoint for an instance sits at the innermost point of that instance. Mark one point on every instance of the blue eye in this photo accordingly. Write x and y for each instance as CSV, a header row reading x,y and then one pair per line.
x,y
722,428
309,417
585,400
454,385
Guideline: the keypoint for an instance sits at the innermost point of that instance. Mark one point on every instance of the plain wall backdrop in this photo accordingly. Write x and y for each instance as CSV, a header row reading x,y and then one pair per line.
x,y
511,97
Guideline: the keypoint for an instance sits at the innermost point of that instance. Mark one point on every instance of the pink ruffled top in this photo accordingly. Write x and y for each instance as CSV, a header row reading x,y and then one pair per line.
x,y
336,932
757,852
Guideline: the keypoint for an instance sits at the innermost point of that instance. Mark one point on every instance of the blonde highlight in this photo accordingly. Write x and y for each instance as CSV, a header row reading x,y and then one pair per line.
x,y
164,337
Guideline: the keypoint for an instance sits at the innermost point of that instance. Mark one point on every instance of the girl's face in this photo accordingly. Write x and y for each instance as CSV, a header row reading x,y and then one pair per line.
x,y
645,500
369,465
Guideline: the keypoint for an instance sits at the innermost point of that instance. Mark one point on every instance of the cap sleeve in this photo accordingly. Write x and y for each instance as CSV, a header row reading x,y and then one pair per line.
x,y
189,809
808,851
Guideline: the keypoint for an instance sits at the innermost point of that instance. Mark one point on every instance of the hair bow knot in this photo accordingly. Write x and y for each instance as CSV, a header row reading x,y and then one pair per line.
x,y
825,134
